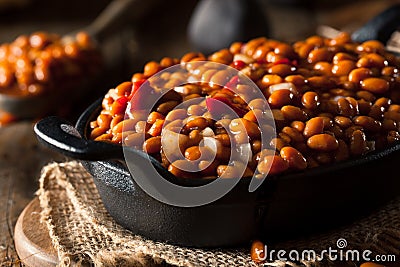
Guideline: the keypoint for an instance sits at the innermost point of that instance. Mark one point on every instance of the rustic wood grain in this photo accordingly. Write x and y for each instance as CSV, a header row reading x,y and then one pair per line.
x,y
21,159
32,240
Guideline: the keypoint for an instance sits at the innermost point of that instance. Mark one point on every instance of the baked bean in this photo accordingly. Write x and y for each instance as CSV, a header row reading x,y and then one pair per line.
x,y
371,264
393,115
235,47
368,96
124,89
394,108
280,98
368,123
278,143
294,158
254,115
322,142
151,68
390,71
375,85
310,100
372,60
343,67
272,164
178,168
224,139
323,158
298,125
358,143
376,112
256,146
292,113
104,121
285,137
250,47
320,54
196,110
296,79
166,107
345,108
154,116
295,136
304,50
320,82
389,124
342,152
343,122
323,68
196,123
383,102
176,114
330,100
192,56
142,126
364,106
393,136
125,125
152,145
223,56
243,125
193,153
281,70
168,62
270,79
257,251
359,74
115,120
371,46
342,56
134,140
228,171
96,132
104,137
314,126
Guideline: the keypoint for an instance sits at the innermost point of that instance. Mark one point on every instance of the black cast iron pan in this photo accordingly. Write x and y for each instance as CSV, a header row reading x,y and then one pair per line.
x,y
285,206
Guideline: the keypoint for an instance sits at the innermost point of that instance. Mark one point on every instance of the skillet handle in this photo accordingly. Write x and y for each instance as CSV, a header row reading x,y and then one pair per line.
x,y
379,27
60,135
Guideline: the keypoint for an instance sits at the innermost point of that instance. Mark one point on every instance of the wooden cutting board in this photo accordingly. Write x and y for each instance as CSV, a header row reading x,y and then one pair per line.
x,y
32,240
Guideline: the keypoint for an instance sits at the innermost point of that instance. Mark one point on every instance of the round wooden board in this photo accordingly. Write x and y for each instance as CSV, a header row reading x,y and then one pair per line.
x,y
32,240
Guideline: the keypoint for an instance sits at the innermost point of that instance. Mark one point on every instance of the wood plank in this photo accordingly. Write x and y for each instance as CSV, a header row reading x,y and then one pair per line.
x,y
21,160
32,240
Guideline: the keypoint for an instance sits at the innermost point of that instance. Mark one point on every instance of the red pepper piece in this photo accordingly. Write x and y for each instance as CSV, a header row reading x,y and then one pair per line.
x,y
233,82
119,105
239,64
135,87
287,62
217,106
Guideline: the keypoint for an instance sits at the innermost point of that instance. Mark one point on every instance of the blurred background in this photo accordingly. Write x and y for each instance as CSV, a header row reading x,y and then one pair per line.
x,y
158,28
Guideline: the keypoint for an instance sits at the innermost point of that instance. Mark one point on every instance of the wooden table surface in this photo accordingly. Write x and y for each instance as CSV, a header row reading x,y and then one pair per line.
x,y
21,157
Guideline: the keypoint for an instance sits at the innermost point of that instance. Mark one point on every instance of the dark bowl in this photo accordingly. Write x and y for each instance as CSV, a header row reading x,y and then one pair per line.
x,y
285,206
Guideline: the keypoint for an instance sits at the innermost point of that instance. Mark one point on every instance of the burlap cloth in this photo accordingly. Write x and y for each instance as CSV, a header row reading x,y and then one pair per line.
x,y
83,233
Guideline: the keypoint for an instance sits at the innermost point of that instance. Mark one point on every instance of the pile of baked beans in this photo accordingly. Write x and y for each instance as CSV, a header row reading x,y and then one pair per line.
x,y
331,99
44,62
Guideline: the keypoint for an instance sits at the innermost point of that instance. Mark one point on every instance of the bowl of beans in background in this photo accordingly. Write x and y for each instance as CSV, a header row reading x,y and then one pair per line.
x,y
39,70
335,106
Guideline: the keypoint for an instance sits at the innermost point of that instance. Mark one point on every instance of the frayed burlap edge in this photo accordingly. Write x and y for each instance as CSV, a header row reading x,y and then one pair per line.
x,y
83,233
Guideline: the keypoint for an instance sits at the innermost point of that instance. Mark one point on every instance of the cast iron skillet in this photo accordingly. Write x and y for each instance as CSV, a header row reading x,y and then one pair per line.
x,y
285,206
